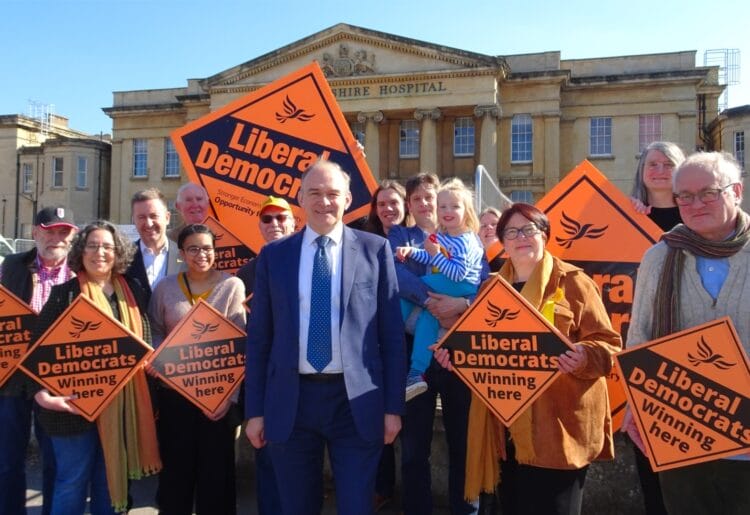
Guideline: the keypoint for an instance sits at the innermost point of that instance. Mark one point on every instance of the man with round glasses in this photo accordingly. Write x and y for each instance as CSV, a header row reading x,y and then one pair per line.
x,y
276,221
699,272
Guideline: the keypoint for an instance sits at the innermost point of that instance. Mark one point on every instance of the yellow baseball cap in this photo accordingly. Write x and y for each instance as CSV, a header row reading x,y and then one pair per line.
x,y
274,202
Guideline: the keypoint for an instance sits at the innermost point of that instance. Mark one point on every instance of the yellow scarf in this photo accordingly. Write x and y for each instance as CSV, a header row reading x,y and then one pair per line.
x,y
485,443
126,427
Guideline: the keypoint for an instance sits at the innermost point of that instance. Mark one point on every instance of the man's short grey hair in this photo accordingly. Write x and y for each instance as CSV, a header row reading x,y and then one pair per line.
x,y
185,186
323,163
721,164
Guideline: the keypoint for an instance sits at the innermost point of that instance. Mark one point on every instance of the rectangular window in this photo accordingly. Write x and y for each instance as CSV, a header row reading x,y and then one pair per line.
x,y
28,177
171,160
521,136
739,148
463,137
408,144
600,136
57,172
82,172
649,130
140,158
358,129
522,196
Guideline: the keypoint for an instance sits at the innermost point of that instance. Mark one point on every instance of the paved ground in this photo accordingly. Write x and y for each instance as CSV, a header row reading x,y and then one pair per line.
x,y
143,492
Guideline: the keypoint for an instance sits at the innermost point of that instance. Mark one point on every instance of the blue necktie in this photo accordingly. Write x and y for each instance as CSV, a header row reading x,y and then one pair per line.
x,y
319,332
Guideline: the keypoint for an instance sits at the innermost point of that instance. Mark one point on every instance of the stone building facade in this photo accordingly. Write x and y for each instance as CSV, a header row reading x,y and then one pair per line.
x,y
50,164
419,106
729,132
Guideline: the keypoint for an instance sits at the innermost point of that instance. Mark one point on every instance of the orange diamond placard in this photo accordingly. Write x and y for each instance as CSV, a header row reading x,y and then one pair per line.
x,y
203,357
690,395
505,350
230,253
16,322
262,144
593,225
87,354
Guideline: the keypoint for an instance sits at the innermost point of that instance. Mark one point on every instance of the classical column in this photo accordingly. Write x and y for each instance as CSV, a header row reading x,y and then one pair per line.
x,y
372,120
428,144
488,136
551,145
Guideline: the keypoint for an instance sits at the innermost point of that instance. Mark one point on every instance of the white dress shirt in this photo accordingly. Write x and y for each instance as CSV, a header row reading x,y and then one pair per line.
x,y
155,264
306,258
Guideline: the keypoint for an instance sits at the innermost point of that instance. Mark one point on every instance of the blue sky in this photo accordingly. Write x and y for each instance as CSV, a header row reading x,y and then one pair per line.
x,y
75,53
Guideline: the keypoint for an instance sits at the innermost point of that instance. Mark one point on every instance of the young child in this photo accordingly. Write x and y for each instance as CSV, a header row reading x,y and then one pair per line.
x,y
455,254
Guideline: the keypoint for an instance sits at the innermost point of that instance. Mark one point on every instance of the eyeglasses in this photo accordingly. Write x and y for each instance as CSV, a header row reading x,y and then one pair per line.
x,y
706,196
267,219
194,251
527,230
93,248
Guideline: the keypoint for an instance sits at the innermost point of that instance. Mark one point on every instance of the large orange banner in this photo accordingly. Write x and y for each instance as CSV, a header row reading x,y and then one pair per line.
x,y
594,226
16,322
262,144
690,395
505,350
86,354
203,357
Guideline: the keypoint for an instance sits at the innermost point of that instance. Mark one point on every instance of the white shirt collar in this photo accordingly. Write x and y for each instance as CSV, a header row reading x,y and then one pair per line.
x,y
336,234
147,250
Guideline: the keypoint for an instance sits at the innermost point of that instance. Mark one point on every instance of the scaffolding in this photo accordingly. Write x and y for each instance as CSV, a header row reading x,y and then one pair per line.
x,y
42,113
728,61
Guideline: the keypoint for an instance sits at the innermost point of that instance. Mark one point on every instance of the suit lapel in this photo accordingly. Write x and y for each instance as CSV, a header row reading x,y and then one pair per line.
x,y
349,256
290,267
173,258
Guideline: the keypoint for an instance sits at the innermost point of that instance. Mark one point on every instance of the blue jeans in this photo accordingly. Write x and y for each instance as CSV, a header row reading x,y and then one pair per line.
x,y
15,429
427,326
80,472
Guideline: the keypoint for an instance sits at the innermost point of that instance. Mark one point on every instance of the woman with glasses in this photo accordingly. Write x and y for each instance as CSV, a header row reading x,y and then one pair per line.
x,y
652,188
547,451
96,459
197,448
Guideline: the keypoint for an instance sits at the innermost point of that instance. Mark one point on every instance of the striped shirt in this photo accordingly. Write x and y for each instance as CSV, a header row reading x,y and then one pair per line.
x,y
464,262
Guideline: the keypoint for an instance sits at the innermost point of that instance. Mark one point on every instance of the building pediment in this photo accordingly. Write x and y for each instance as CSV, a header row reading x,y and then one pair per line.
x,y
347,52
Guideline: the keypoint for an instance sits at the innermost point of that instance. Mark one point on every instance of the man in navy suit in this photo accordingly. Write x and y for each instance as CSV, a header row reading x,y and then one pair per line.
x,y
352,401
155,257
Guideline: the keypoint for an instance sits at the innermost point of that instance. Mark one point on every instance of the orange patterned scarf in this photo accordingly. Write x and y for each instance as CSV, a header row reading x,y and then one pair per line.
x,y
126,427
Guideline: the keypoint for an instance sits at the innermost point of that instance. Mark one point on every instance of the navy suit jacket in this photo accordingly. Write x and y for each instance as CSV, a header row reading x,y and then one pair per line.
x,y
372,335
137,270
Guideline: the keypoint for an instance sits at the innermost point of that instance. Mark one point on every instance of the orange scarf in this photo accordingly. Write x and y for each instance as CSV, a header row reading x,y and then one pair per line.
x,y
485,444
126,427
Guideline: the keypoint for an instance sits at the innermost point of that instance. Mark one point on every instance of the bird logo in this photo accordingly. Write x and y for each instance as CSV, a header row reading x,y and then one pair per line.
x,y
708,356
201,329
82,326
578,231
219,236
292,112
2,301
499,314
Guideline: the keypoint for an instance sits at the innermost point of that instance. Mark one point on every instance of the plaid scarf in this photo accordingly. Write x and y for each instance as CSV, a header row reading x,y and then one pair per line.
x,y
667,305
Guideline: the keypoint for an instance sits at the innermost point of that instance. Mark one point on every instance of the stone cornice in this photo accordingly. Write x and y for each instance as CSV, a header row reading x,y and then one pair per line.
x,y
144,108
351,34
376,79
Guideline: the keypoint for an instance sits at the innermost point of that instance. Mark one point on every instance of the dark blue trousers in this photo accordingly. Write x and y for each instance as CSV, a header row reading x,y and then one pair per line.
x,y
324,418
15,430
416,442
